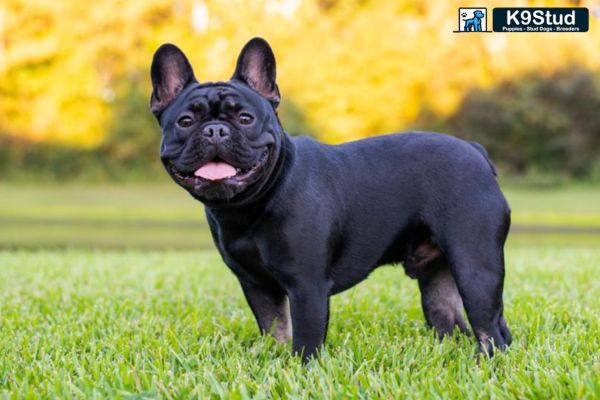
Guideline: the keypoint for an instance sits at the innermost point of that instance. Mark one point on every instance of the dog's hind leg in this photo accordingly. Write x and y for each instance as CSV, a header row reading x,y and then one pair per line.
x,y
477,265
442,304
479,278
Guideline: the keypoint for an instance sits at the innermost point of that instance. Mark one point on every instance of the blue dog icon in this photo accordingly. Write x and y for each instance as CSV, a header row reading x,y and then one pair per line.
x,y
473,24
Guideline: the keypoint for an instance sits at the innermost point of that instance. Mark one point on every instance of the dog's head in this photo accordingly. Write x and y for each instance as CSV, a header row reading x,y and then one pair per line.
x,y
221,140
478,14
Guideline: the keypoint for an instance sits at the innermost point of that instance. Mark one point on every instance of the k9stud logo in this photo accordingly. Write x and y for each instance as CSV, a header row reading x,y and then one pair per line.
x,y
524,19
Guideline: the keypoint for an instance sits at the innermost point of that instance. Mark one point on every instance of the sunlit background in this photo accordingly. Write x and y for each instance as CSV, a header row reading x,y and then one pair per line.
x,y
79,147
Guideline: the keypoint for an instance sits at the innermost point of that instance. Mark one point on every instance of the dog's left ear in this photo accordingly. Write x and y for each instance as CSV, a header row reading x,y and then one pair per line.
x,y
256,67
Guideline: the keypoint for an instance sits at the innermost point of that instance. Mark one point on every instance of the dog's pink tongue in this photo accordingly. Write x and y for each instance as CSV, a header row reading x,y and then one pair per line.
x,y
215,170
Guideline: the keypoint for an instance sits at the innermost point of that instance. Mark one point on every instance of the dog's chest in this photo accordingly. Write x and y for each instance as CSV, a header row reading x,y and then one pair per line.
x,y
242,255
241,248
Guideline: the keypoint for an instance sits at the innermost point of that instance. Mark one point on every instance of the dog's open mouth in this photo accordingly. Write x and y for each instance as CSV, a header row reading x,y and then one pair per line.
x,y
218,170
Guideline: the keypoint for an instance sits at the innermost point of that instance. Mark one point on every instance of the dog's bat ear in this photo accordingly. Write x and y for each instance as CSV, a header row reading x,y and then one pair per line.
x,y
170,72
256,67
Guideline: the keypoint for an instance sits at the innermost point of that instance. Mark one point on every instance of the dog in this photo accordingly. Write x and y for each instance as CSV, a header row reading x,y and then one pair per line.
x,y
474,24
298,221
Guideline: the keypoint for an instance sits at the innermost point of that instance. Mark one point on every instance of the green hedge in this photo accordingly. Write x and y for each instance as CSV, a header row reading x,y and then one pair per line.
x,y
537,125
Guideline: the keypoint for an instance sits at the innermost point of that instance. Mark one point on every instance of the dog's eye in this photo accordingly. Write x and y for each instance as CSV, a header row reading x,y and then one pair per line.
x,y
245,119
185,122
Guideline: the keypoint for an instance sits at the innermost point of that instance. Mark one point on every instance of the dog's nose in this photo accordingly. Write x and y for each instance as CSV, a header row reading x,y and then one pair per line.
x,y
216,131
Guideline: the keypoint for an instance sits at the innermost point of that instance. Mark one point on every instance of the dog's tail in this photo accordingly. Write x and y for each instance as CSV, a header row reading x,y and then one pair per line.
x,y
485,155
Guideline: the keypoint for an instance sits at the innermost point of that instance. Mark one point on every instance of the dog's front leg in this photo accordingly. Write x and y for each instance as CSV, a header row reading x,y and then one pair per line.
x,y
309,306
270,308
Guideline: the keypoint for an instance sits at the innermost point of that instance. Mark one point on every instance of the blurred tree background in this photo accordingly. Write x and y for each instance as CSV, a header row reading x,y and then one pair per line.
x,y
74,80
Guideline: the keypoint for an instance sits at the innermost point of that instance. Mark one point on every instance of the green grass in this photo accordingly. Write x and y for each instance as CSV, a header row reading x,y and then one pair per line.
x,y
164,216
90,324
149,322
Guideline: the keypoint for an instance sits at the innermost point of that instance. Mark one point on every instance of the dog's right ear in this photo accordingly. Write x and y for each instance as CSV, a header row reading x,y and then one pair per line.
x,y
170,72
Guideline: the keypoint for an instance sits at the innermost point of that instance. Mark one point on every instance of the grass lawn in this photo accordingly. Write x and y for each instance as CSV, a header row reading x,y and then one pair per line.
x,y
173,324
106,292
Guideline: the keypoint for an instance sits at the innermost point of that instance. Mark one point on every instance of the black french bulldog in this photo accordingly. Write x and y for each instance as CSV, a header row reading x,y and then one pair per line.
x,y
298,221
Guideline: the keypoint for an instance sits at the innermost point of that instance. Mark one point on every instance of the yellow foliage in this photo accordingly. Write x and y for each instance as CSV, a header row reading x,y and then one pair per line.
x,y
351,68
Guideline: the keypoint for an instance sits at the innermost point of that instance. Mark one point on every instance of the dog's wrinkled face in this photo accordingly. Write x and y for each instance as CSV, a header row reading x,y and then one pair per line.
x,y
221,140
